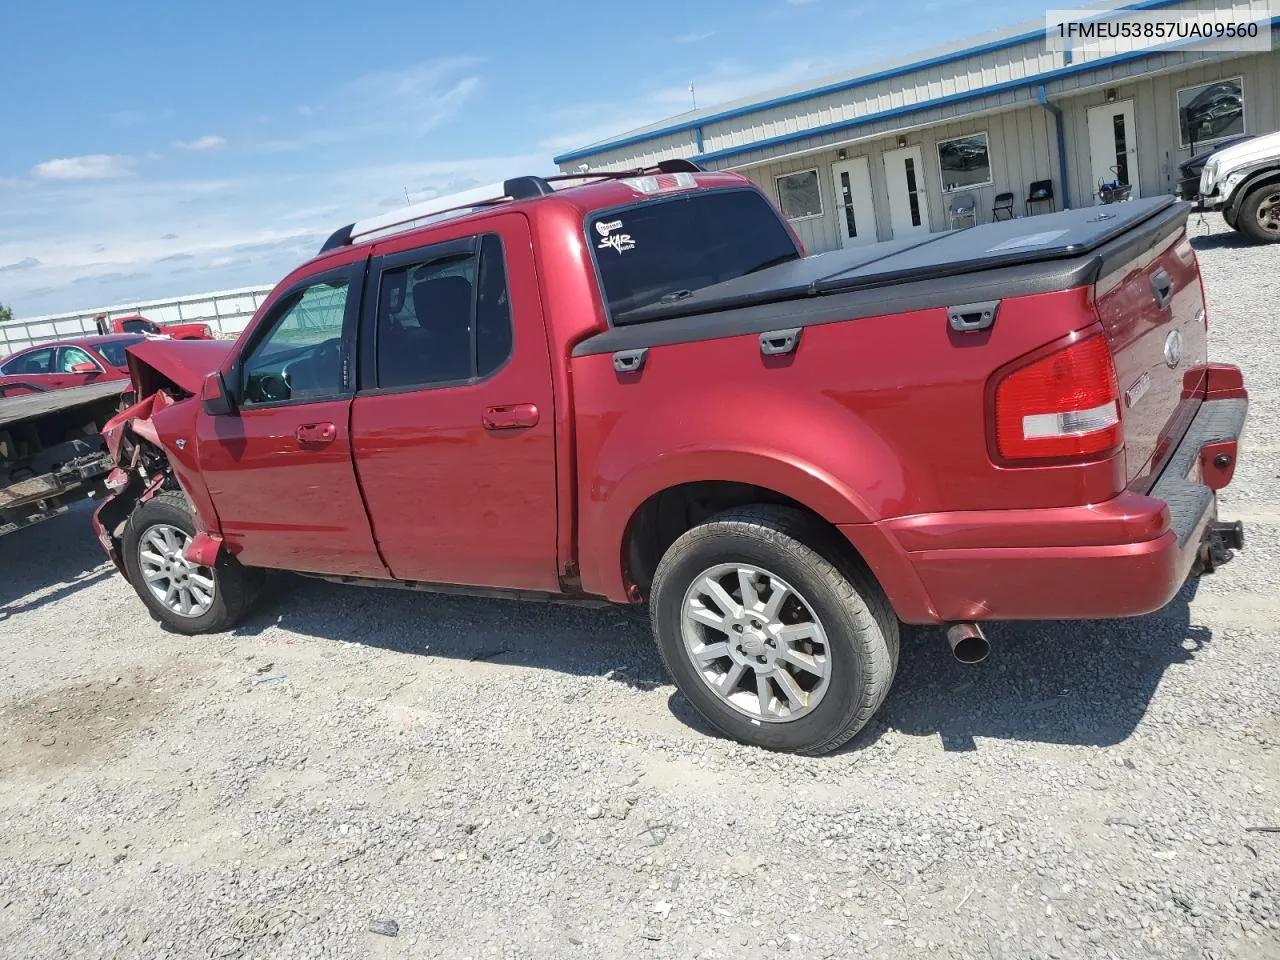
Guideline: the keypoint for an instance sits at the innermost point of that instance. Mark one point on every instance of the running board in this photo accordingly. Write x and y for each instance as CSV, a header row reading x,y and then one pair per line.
x,y
451,589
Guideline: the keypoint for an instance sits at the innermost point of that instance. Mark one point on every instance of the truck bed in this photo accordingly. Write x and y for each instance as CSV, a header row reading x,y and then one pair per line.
x,y
29,406
1067,249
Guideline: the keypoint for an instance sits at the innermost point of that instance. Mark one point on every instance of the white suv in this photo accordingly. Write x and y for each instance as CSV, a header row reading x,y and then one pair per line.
x,y
1244,183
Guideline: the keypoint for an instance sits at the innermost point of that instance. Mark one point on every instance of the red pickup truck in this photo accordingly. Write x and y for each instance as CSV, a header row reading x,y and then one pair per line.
x,y
137,323
639,390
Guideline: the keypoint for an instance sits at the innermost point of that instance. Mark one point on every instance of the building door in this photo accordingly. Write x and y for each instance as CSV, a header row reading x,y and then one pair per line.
x,y
854,211
908,205
1113,145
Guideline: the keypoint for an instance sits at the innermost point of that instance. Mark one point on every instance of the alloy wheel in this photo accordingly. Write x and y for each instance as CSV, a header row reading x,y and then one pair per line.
x,y
756,642
185,588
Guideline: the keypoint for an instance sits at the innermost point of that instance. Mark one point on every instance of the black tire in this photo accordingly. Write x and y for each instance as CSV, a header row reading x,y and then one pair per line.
x,y
235,586
1230,217
1259,215
861,629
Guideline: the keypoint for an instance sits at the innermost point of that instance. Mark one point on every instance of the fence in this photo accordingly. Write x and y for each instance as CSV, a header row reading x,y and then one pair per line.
x,y
227,312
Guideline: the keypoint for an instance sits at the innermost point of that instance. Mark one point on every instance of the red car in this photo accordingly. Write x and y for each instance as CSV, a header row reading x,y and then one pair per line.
x,y
639,390
67,363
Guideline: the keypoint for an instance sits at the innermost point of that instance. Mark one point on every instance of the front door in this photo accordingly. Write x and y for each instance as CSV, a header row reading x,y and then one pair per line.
x,y
69,357
1113,145
855,215
279,470
454,424
908,204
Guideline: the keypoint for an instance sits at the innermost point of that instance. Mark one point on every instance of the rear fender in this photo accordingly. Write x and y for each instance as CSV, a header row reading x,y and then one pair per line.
x,y
605,524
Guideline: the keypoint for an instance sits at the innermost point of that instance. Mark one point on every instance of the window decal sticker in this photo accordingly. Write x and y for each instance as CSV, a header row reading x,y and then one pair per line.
x,y
609,240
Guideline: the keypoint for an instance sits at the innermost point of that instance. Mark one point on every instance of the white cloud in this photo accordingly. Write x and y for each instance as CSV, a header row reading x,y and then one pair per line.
x,y
26,263
94,166
407,102
694,36
103,238
208,142
73,246
720,83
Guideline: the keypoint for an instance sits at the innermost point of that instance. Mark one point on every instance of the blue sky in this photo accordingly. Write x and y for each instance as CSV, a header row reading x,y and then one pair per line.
x,y
156,149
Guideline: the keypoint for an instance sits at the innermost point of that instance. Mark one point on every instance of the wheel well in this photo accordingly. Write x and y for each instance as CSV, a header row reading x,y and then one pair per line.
x,y
661,519
1251,183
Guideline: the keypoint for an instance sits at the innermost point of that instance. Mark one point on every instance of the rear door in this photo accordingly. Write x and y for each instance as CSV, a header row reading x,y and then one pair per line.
x,y
29,372
1153,311
453,425
279,471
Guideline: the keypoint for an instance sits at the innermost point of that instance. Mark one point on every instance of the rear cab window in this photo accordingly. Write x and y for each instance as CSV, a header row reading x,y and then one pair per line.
x,y
662,250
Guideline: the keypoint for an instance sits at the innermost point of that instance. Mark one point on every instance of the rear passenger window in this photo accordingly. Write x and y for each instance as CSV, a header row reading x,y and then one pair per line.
x,y
37,361
443,319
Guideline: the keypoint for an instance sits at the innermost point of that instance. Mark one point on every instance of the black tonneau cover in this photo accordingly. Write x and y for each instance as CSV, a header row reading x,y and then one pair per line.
x,y
1068,234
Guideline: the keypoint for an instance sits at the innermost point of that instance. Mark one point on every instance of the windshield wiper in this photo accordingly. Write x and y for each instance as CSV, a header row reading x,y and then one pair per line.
x,y
782,258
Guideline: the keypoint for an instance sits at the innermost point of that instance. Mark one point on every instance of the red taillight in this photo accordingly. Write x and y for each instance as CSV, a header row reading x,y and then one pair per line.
x,y
1064,405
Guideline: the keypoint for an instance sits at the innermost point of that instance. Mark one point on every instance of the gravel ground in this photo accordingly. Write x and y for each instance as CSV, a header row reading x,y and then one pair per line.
x,y
503,780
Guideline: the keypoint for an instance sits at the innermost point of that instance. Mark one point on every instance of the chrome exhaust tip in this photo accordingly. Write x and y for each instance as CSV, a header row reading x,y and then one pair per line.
x,y
968,642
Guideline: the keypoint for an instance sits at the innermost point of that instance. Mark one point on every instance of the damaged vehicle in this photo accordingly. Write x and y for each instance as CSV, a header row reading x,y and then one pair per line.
x,y
636,388
51,450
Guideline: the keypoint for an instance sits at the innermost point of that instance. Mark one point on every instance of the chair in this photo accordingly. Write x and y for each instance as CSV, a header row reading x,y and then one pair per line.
x,y
963,207
1040,192
1002,209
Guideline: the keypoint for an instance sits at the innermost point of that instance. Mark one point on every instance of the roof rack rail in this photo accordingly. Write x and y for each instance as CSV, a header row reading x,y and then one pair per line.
x,y
517,188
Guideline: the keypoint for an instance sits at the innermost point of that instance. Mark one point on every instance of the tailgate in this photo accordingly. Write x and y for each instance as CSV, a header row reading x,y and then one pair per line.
x,y
1152,308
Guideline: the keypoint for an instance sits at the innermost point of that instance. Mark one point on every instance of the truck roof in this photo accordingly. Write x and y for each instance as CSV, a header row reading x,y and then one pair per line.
x,y
587,191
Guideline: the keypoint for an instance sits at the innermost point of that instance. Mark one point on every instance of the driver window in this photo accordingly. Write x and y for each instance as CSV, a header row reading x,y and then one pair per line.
x,y
71,356
301,358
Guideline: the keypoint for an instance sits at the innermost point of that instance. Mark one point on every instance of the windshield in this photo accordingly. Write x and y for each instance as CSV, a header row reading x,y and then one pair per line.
x,y
664,250
113,351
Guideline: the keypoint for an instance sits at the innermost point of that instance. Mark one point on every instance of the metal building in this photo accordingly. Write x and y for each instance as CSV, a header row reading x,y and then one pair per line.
x,y
913,146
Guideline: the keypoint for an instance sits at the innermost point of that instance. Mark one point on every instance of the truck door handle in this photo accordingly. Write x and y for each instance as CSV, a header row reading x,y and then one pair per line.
x,y
512,416
630,361
777,343
316,433
1162,287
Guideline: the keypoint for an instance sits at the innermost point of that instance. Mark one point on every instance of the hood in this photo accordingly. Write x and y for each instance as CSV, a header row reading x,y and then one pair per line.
x,y
1196,163
182,363
1259,148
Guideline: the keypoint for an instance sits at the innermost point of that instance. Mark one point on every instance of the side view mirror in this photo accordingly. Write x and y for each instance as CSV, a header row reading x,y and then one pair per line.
x,y
87,366
215,399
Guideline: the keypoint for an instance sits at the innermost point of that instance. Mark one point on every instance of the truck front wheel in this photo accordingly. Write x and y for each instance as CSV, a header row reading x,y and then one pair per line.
x,y
776,635
1259,214
189,598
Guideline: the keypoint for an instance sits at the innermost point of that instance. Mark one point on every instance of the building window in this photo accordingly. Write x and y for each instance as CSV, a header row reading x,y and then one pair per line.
x,y
798,195
1211,111
964,162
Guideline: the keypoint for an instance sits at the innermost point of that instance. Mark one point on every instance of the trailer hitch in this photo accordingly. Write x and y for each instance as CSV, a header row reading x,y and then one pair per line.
x,y
1220,539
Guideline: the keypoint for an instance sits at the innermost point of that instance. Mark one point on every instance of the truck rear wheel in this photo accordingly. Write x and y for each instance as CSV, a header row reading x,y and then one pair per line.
x,y
1259,214
189,598
774,635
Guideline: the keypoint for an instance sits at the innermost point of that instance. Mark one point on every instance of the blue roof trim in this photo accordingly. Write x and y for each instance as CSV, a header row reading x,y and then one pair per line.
x,y
849,84
1031,81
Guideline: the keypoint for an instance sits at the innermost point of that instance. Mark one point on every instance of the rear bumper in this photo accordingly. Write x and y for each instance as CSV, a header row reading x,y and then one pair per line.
x,y
1122,558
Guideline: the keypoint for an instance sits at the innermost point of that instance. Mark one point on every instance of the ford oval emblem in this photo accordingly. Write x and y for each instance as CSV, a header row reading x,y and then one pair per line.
x,y
1173,349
